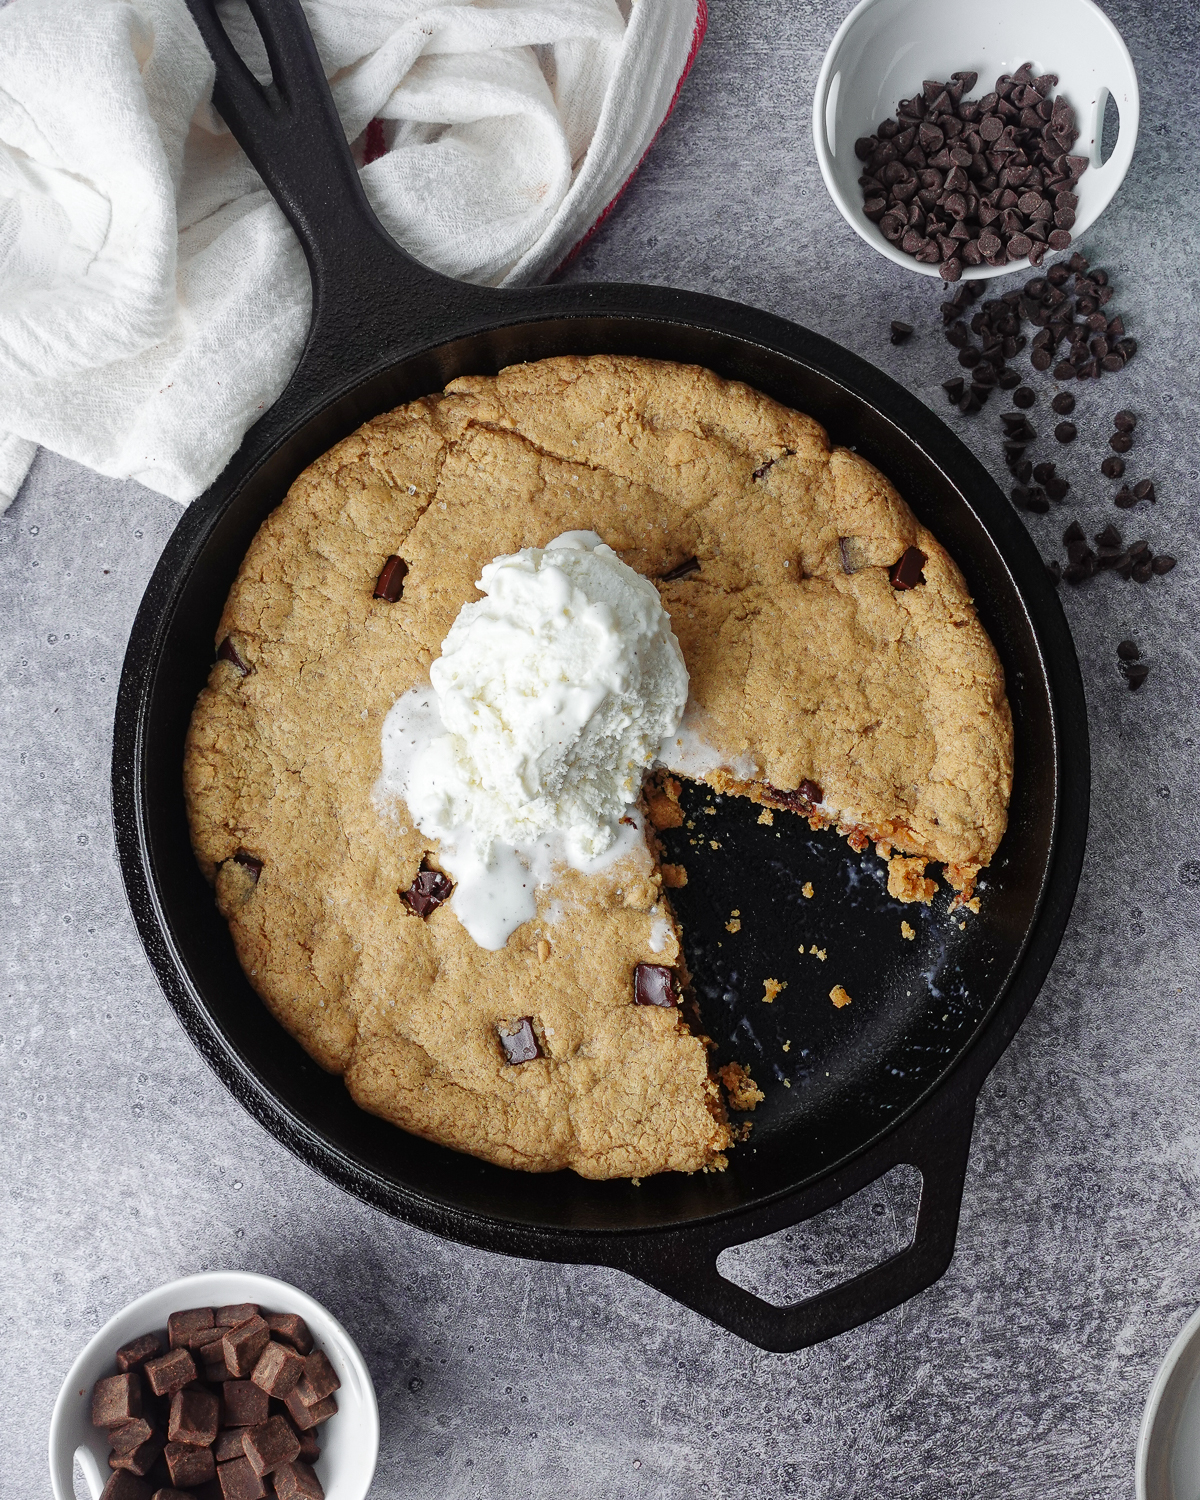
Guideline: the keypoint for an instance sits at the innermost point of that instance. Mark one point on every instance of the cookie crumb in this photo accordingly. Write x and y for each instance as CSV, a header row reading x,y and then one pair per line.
x,y
543,949
839,996
807,889
907,880
744,1093
907,932
771,988
662,802
787,1046
787,1083
674,877
733,925
712,844
817,952
766,817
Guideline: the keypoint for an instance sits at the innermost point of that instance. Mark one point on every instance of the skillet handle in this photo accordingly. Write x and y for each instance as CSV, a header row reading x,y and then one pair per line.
x,y
937,1144
364,284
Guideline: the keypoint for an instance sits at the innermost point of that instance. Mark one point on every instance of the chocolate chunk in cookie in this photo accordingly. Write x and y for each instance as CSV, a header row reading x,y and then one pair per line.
x,y
227,651
427,891
685,569
390,583
910,570
519,1043
653,985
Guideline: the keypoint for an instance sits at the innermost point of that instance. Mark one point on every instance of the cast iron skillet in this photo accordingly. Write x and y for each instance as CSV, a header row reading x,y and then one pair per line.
x,y
891,1079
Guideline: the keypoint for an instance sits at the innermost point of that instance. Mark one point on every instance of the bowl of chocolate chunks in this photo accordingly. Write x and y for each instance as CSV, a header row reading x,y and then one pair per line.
x,y
222,1386
965,141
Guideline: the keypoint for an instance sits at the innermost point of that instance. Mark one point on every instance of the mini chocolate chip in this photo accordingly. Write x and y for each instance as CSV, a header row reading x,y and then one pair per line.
x,y
249,862
1007,379
811,791
520,1044
684,570
1124,499
1043,472
227,651
428,891
1144,489
1125,421
1041,359
763,469
1120,442
1113,466
1064,403
1057,488
1109,537
1064,370
958,335
390,583
1074,533
954,389
1163,563
1136,675
1066,432
900,331
1128,651
653,984
1141,572
1024,397
969,357
909,571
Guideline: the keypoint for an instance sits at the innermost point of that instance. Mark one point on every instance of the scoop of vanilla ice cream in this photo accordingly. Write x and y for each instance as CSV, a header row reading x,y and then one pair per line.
x,y
555,691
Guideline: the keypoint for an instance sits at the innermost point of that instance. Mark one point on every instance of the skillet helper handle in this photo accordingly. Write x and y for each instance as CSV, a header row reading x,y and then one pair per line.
x,y
938,1145
363,282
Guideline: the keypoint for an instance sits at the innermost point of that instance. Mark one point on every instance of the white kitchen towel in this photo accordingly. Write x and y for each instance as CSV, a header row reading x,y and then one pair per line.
x,y
153,298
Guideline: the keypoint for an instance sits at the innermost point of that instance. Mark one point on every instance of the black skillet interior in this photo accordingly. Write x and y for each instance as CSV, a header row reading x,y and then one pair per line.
x,y
921,1007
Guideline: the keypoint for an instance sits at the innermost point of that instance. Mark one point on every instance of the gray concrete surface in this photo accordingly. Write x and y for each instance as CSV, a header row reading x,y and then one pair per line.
x,y
1023,1372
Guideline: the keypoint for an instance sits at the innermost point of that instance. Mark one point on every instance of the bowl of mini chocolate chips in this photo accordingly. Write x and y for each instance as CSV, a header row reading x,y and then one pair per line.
x,y
222,1386
969,140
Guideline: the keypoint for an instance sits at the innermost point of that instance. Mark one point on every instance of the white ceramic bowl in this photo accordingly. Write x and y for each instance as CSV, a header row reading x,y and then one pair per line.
x,y
349,1440
1167,1466
884,49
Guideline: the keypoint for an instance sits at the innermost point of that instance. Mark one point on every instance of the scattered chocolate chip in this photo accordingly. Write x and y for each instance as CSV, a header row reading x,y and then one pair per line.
x,y
1007,379
1125,421
227,651
954,389
685,569
900,331
653,985
520,1046
910,570
428,891
1054,568
1136,675
1163,563
1066,432
1042,359
1120,442
1057,488
1109,537
1064,403
1113,466
1144,490
1128,651
1064,370
1124,499
1074,533
390,583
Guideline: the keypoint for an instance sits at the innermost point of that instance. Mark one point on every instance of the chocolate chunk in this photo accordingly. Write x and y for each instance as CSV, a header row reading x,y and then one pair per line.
x,y
296,1481
278,1369
129,1435
193,1417
310,1447
900,331
216,1371
234,1313
246,1404
254,865
910,570
117,1399
189,1466
312,1416
653,984
690,565
227,651
1144,490
427,892
138,1460
126,1486
243,1343
170,1493
1120,442
1163,563
1125,421
1024,397
270,1444
1064,403
520,1046
181,1325
1113,466
291,1328
320,1379
390,583
130,1356
229,1444
239,1481
1136,675
844,554
1066,432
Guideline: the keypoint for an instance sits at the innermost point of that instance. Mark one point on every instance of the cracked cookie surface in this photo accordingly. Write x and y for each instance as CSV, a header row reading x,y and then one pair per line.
x,y
805,664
